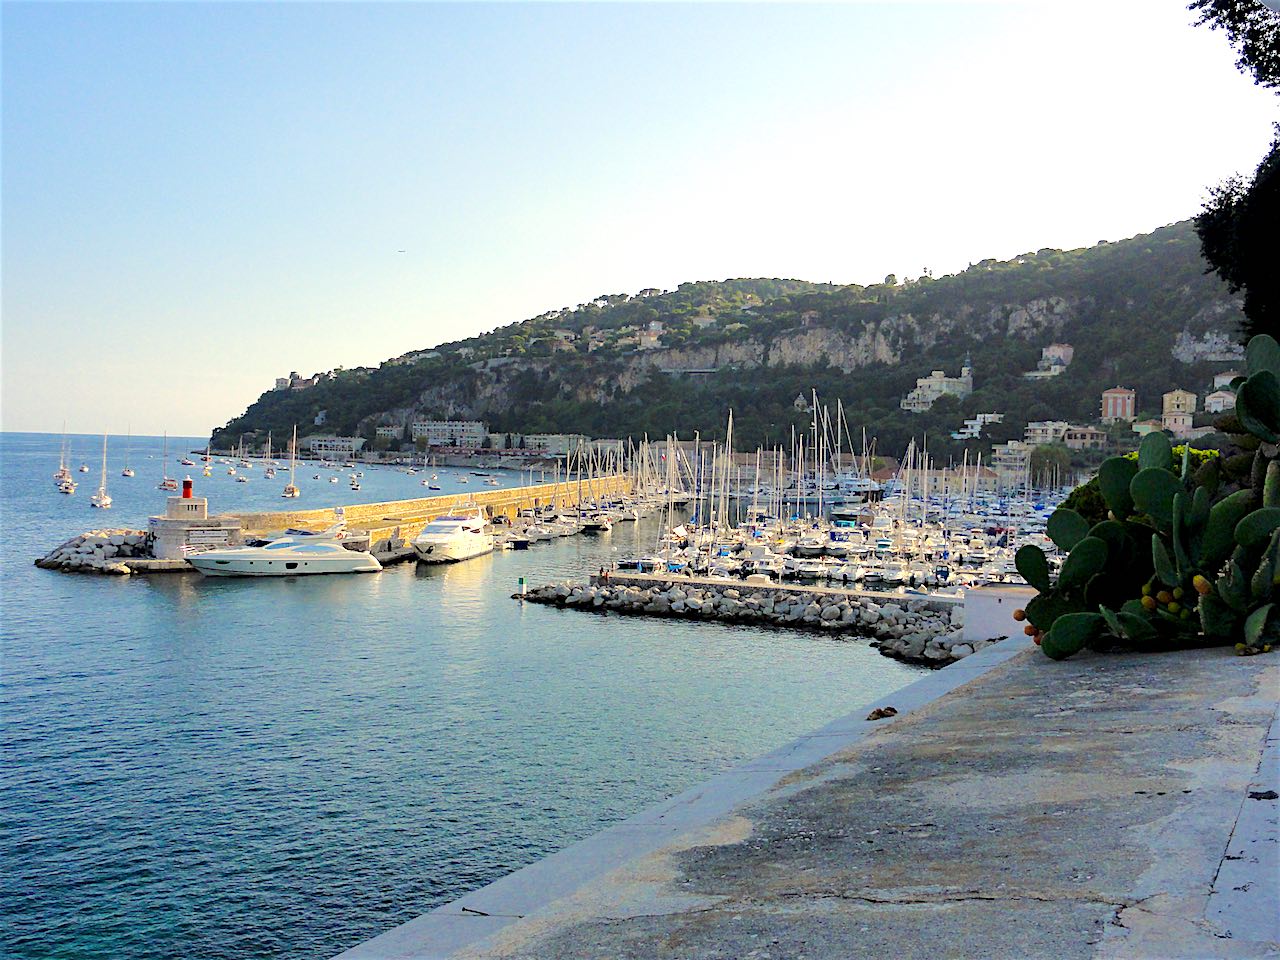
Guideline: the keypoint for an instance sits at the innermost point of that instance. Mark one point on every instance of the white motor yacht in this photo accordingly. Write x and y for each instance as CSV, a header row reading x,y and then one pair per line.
x,y
289,556
453,538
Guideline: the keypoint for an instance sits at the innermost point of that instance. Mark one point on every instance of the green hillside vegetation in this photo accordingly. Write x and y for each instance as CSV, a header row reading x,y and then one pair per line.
x,y
1127,301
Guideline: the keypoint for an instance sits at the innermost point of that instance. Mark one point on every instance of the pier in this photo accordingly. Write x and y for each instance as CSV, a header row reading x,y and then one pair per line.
x,y
387,529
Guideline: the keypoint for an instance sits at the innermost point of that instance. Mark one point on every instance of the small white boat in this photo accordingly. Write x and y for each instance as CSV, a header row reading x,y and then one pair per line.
x,y
67,486
289,556
242,479
128,470
84,468
598,523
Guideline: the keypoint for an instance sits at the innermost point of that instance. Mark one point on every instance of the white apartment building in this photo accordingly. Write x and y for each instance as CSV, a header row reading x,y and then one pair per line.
x,y
1045,431
972,428
449,433
332,447
1011,461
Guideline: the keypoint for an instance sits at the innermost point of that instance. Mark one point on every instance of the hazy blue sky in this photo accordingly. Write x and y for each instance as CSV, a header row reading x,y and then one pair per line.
x,y
199,198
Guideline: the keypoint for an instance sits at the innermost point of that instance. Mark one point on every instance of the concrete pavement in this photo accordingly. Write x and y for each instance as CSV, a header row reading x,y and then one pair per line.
x,y
1106,806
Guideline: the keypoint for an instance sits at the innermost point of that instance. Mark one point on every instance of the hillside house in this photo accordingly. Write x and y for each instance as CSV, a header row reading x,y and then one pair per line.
x,y
938,384
1118,404
1085,438
1220,401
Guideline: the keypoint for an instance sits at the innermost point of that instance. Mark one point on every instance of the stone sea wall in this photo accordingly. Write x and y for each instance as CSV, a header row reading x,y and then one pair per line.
x,y
99,551
906,629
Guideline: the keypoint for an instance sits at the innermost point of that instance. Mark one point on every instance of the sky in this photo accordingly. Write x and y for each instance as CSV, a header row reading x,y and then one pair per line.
x,y
199,198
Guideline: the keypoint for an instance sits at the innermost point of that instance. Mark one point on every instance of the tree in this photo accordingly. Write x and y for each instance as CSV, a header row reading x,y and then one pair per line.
x,y
1048,460
1252,28
1239,224
1238,229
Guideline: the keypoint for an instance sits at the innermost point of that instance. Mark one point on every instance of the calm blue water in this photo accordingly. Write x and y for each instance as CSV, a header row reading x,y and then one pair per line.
x,y
283,768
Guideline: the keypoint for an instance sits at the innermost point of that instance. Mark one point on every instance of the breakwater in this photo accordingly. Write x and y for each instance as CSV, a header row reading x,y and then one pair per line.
x,y
926,630
99,551
404,519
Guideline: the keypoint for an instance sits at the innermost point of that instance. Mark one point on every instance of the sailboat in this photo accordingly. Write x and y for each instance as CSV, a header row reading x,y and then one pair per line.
x,y
167,482
270,472
291,490
128,470
64,473
102,499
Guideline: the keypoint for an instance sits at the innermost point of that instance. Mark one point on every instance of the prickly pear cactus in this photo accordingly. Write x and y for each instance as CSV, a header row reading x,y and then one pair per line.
x,y
1185,558
1240,596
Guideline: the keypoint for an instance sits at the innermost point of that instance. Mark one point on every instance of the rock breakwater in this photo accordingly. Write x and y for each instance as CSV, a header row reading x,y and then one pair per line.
x,y
99,551
915,630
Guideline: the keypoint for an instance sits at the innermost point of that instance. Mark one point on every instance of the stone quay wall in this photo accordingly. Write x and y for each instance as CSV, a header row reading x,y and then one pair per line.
x,y
404,519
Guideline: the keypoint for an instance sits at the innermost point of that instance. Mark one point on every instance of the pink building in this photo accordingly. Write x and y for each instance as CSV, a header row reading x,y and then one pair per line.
x,y
1118,403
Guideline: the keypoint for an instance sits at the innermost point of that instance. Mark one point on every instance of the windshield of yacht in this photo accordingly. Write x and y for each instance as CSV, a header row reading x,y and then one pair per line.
x,y
450,526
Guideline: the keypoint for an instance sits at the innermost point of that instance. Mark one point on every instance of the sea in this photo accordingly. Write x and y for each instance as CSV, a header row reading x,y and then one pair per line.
x,y
284,768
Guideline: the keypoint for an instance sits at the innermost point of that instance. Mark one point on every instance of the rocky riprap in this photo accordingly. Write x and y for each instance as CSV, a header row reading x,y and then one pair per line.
x,y
909,630
99,551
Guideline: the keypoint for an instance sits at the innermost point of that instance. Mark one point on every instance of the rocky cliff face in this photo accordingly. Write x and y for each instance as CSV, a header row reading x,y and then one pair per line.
x,y
886,341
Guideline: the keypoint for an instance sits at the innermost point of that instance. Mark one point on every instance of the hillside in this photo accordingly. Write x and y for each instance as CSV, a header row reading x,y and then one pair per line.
x,y
754,345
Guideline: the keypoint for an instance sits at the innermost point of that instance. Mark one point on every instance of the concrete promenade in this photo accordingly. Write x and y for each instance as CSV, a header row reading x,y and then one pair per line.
x,y
1107,806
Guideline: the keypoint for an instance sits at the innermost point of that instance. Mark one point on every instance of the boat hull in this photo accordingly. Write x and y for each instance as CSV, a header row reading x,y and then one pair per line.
x,y
282,568
449,553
